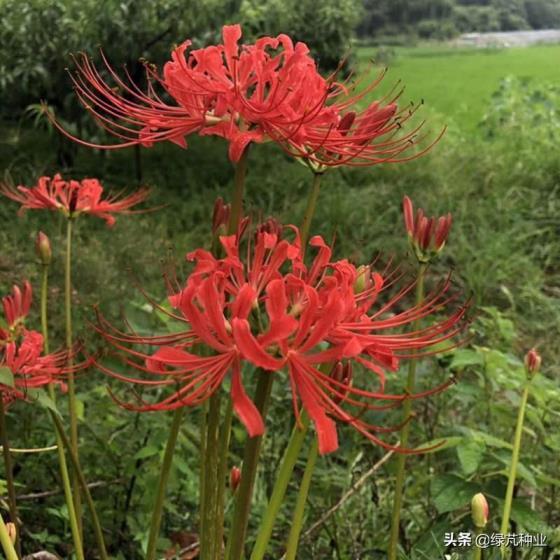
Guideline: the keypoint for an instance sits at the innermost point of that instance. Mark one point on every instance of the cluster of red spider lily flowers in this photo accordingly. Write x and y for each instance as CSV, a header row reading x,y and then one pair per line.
x,y
73,198
22,350
270,310
267,91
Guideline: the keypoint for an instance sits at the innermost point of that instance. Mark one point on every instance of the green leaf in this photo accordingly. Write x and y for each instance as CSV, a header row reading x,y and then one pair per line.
x,y
41,397
470,454
442,443
6,377
463,358
530,520
451,492
145,452
489,440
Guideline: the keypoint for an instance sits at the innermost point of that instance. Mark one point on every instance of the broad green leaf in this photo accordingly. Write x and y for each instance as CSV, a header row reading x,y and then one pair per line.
x,y
451,492
530,520
6,377
145,452
471,453
464,357
489,440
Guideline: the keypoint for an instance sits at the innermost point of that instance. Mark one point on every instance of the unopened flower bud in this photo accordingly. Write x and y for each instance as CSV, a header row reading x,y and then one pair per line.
x,y
220,216
479,511
342,374
532,362
363,279
270,225
43,248
427,236
12,531
234,478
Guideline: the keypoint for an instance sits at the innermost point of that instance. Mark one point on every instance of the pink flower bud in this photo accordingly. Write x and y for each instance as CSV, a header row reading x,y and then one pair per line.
x,y
234,478
532,362
43,248
220,216
427,236
479,510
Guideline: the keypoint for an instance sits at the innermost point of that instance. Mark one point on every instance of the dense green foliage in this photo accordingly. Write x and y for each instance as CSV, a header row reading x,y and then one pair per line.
x,y
496,171
39,36
441,19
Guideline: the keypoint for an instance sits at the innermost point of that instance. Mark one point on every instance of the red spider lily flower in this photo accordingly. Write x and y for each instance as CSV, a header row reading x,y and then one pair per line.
x,y
345,135
29,367
427,236
244,94
21,351
73,198
269,90
270,310
16,308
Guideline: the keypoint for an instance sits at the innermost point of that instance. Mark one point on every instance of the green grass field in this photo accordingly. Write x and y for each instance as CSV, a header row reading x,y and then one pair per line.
x,y
458,83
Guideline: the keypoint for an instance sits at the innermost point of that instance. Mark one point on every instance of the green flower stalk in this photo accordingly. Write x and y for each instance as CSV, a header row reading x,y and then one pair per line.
x,y
280,486
427,238
405,431
532,366
44,253
297,520
72,404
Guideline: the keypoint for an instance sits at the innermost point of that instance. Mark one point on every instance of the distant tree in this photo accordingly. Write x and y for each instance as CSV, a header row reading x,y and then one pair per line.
x,y
542,14
327,26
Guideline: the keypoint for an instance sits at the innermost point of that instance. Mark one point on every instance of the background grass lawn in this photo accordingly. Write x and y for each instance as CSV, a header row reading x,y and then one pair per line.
x,y
459,82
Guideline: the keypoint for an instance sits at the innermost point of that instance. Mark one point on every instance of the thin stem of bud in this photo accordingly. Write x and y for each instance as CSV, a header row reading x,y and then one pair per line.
x,y
297,520
405,430
280,486
514,461
65,477
162,484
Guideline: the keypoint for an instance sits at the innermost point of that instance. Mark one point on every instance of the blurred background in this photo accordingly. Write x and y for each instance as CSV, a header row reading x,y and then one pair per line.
x,y
488,70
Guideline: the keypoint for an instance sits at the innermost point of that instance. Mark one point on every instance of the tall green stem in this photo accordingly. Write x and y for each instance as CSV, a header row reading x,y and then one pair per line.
x,y
6,542
208,541
216,440
225,434
74,527
405,432
83,485
297,521
236,541
298,435
162,484
9,468
72,406
310,209
514,460
280,486
238,188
